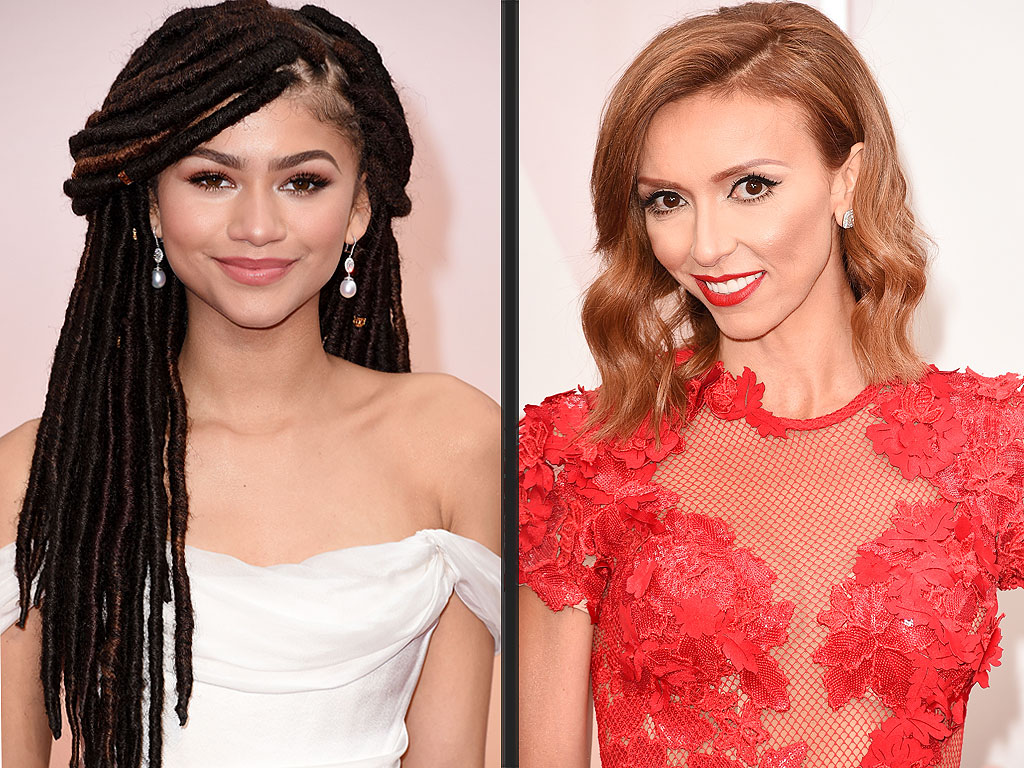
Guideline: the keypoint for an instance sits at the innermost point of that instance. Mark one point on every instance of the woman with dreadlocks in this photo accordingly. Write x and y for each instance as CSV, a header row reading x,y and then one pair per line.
x,y
233,364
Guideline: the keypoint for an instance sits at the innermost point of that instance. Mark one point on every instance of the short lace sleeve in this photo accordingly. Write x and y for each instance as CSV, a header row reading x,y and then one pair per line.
x,y
581,501
555,560
1007,474
989,471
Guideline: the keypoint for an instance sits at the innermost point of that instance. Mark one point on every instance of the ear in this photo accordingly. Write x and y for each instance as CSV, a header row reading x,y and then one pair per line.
x,y
359,215
845,181
154,211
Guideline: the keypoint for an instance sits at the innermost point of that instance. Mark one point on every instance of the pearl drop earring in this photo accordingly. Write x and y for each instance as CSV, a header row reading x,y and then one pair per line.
x,y
158,278
348,285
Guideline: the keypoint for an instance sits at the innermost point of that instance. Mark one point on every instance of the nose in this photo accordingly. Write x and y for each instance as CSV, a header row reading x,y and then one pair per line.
x,y
712,238
256,218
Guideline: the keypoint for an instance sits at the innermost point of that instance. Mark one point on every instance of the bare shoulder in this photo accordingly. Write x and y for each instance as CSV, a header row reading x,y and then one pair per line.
x,y
458,431
16,449
448,408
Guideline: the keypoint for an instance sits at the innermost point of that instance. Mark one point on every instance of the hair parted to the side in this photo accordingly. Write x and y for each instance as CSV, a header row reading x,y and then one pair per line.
x,y
635,313
101,537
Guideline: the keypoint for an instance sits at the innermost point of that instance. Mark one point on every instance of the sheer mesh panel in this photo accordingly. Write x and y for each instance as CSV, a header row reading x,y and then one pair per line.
x,y
803,504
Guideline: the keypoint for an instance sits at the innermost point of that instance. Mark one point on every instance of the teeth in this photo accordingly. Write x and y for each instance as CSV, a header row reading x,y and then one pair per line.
x,y
731,286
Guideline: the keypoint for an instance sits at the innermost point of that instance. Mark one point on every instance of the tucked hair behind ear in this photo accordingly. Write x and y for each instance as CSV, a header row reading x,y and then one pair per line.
x,y
101,537
635,314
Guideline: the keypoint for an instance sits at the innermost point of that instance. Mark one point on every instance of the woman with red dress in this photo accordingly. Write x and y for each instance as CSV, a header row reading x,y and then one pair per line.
x,y
784,531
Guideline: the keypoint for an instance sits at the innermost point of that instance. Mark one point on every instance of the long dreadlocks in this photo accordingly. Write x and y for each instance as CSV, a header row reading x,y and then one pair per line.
x,y
107,486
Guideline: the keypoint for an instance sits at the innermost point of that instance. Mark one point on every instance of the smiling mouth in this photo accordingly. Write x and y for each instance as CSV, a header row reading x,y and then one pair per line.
x,y
729,290
732,285
256,271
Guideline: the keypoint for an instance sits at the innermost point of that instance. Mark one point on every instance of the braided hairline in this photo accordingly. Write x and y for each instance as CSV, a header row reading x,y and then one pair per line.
x,y
107,498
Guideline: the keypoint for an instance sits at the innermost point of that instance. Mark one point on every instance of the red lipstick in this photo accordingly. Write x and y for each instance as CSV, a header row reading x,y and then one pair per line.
x,y
255,271
728,299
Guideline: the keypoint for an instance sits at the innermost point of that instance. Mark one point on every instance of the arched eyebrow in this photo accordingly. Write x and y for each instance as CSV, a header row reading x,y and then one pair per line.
x,y
719,177
218,157
278,164
742,167
644,181
298,158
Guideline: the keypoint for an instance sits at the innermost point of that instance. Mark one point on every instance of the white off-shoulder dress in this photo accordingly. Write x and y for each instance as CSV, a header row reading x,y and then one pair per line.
x,y
311,664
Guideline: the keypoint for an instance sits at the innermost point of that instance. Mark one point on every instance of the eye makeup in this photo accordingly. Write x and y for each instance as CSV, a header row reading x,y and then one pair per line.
x,y
752,187
301,183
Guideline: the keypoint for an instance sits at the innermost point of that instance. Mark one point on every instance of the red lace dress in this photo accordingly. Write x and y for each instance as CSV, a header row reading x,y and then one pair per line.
x,y
775,593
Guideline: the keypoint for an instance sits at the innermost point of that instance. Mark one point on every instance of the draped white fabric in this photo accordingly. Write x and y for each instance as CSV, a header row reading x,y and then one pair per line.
x,y
311,664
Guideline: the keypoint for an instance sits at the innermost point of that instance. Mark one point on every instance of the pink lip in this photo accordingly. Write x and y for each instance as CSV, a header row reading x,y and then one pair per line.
x,y
255,271
731,299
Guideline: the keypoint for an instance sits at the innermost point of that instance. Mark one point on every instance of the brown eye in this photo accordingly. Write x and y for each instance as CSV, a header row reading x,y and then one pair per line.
x,y
305,184
209,180
752,187
663,202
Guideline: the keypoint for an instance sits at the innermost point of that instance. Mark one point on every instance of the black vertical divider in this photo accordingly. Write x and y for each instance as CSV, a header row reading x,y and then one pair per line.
x,y
510,381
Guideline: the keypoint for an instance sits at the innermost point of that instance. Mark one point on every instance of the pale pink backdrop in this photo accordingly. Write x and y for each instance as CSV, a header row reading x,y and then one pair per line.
x,y
58,59
950,73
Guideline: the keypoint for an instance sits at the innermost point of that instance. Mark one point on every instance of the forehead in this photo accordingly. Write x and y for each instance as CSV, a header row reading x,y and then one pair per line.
x,y
703,134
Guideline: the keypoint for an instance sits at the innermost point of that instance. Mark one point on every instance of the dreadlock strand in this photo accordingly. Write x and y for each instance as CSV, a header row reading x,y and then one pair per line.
x,y
381,336
133,539
397,309
190,55
183,620
163,104
155,415
176,27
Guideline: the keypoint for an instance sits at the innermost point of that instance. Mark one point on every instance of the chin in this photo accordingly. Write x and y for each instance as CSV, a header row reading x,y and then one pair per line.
x,y
263,316
254,321
743,328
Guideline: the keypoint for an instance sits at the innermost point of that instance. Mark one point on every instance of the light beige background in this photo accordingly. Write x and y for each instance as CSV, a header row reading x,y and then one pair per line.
x,y
951,75
58,59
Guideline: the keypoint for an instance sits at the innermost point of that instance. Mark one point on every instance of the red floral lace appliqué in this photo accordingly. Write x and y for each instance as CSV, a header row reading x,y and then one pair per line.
x,y
920,433
740,397
579,502
697,618
732,398
917,626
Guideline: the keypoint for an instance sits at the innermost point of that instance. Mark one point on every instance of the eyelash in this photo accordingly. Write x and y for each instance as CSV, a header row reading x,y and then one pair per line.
x,y
649,203
769,185
316,181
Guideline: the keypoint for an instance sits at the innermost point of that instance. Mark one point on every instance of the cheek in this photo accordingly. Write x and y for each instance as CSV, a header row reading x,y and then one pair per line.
x,y
671,241
186,220
319,222
800,234
323,229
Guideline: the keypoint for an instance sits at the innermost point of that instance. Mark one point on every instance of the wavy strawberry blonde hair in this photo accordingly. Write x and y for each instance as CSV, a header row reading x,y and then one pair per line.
x,y
635,313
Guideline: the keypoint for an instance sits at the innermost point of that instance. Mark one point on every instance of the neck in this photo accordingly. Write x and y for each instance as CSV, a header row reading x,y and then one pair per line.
x,y
253,380
807,362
